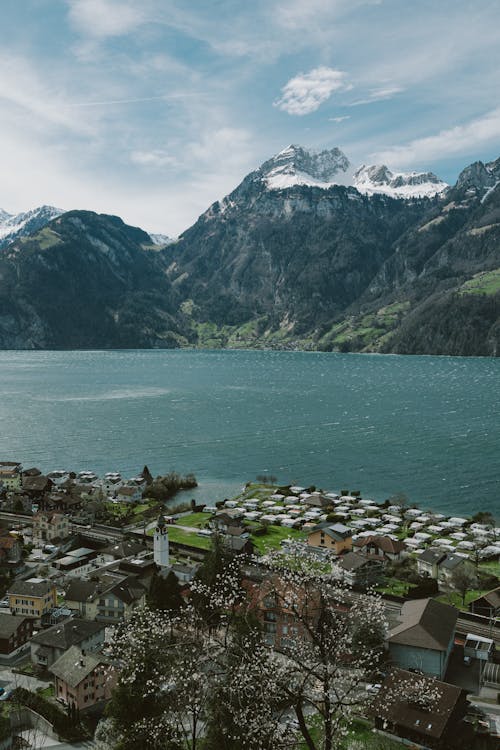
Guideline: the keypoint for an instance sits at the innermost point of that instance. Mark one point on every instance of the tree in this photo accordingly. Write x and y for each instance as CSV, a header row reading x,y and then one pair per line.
x,y
463,579
336,646
165,593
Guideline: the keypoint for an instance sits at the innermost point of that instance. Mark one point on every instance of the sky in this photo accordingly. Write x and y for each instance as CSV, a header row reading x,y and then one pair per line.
x,y
154,109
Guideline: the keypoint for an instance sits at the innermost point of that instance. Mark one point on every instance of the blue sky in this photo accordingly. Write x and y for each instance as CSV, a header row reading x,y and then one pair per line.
x,y
153,109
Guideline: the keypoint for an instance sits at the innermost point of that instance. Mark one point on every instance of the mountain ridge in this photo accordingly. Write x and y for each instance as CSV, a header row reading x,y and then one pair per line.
x,y
310,266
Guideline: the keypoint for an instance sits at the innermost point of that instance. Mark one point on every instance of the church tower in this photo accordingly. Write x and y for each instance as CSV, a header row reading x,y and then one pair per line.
x,y
161,556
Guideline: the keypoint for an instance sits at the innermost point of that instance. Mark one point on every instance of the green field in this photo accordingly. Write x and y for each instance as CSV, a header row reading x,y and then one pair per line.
x,y
483,283
190,538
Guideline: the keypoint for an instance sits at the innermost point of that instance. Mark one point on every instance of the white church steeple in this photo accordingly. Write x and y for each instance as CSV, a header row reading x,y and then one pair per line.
x,y
161,554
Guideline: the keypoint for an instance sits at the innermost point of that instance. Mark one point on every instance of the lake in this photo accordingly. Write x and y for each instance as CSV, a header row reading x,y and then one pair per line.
x,y
425,426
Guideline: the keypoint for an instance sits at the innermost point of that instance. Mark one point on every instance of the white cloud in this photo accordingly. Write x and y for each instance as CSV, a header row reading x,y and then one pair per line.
x,y
25,91
157,159
462,139
339,119
379,95
306,92
104,18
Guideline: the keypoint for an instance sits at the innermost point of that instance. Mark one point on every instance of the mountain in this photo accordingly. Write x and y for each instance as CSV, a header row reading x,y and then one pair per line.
x,y
295,258
86,281
296,166
13,226
279,262
307,252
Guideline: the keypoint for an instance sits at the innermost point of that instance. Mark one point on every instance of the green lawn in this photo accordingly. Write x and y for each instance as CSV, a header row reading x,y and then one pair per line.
x,y
452,597
394,586
275,535
492,566
186,537
194,519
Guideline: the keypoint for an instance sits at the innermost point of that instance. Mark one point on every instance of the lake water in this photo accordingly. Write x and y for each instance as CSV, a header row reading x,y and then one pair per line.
x,y
425,426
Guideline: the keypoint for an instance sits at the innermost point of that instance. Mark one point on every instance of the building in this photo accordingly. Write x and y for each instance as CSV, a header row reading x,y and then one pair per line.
x,y
79,562
449,566
381,546
50,527
161,552
285,611
129,494
332,536
10,550
48,645
36,486
487,605
112,598
359,571
422,710
10,475
83,679
15,631
424,638
32,598
428,562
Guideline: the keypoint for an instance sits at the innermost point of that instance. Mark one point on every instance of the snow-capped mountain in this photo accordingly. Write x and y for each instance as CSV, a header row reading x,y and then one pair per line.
x,y
13,226
380,179
161,239
298,166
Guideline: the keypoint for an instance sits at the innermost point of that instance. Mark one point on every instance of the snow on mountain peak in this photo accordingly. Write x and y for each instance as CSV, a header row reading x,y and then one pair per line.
x,y
295,165
13,226
379,179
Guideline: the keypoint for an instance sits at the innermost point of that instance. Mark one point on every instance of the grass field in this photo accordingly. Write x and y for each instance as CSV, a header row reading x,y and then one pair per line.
x,y
483,283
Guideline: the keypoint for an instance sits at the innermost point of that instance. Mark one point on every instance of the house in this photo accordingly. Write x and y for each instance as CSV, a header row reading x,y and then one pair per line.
x,y
381,546
36,486
10,549
129,494
112,598
317,500
83,679
424,638
428,562
448,567
122,549
10,475
226,519
422,710
32,598
358,570
487,605
15,631
285,610
332,536
49,527
48,645
79,562
240,545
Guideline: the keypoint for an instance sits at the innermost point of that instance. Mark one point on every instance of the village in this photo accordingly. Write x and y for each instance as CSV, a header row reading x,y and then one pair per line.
x,y
82,554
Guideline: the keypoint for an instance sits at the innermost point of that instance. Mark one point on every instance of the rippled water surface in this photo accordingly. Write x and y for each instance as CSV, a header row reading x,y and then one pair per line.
x,y
425,426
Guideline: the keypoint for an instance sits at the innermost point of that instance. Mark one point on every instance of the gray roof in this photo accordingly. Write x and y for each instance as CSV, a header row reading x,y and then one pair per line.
x,y
124,548
452,561
355,560
432,556
73,666
426,623
336,531
67,633
393,704
31,587
10,623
